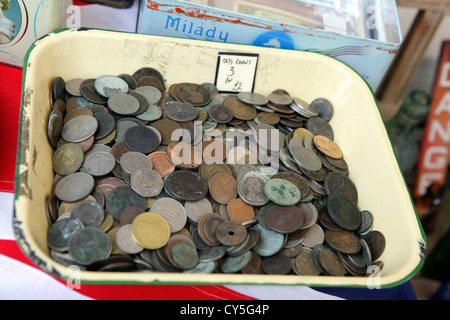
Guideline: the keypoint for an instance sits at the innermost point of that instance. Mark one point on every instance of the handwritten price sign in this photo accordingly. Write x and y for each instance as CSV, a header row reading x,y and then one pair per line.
x,y
236,72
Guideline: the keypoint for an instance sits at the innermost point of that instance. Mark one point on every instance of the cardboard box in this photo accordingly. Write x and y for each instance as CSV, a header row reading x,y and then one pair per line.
x,y
22,22
357,124
363,34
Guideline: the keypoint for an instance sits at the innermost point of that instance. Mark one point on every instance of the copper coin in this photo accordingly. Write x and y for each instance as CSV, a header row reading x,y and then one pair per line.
x,y
328,147
55,125
207,226
304,262
376,242
184,155
276,264
268,118
344,212
240,211
193,94
326,221
161,163
254,266
336,182
166,128
129,214
231,233
87,89
222,187
118,149
220,113
241,111
284,219
151,81
181,112
343,241
148,71
213,150
281,108
141,139
186,185
328,261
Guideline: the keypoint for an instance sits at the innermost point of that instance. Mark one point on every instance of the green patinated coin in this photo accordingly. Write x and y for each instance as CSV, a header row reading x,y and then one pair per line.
x,y
185,255
234,264
269,242
122,198
61,231
282,192
89,245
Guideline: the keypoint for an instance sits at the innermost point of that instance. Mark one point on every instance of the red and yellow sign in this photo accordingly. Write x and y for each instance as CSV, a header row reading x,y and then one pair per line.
x,y
434,154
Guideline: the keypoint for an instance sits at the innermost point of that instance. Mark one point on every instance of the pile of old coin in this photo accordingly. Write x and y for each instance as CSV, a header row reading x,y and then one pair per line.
x,y
185,179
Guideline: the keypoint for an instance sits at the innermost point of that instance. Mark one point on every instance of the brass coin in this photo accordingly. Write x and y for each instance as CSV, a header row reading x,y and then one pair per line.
x,y
241,111
231,233
220,113
302,133
193,94
343,241
222,187
336,182
240,211
328,147
181,112
151,231
68,159
166,128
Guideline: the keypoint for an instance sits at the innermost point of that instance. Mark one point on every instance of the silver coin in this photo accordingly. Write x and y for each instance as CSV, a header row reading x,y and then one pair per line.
x,y
152,94
108,86
241,169
79,129
125,240
172,211
197,209
153,113
251,190
98,148
73,87
280,98
124,104
132,161
89,245
307,159
61,231
324,107
99,164
146,182
89,212
253,98
304,108
288,161
74,187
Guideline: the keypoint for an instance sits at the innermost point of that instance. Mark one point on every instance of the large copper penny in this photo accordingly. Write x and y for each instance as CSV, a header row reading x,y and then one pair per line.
x,y
186,185
376,242
193,94
222,187
181,112
336,182
220,113
231,233
343,241
277,264
207,226
344,212
240,110
167,128
284,219
328,261
328,147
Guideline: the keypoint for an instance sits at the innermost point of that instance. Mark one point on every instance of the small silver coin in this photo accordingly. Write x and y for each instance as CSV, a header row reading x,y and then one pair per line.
x,y
124,104
99,164
307,159
74,187
79,129
197,209
147,182
132,161
126,242
108,86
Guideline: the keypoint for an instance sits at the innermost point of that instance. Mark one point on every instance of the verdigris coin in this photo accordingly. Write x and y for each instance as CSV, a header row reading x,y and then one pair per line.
x,y
282,192
89,245
121,198
61,231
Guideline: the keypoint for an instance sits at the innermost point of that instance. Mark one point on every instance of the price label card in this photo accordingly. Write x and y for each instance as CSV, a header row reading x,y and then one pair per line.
x,y
236,72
